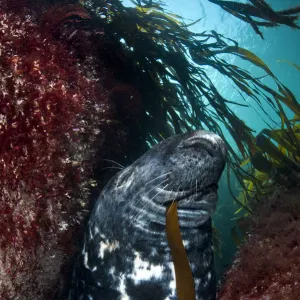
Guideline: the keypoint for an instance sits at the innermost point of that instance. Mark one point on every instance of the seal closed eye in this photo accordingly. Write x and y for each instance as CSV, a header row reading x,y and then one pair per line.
x,y
125,253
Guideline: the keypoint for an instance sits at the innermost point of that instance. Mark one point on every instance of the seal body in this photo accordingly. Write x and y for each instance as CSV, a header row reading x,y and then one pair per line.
x,y
125,255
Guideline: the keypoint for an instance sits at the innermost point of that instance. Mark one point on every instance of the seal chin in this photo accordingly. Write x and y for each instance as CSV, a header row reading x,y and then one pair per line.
x,y
195,211
195,207
194,195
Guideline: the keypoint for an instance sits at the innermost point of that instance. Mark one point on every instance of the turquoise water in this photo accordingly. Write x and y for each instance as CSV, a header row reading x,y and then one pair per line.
x,y
280,43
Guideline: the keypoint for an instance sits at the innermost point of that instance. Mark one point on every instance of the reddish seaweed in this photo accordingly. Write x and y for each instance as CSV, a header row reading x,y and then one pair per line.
x,y
56,120
268,264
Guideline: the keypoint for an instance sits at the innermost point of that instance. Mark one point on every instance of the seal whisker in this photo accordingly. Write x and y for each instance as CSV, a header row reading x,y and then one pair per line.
x,y
160,203
143,189
112,167
173,200
157,177
148,202
118,164
162,200
142,209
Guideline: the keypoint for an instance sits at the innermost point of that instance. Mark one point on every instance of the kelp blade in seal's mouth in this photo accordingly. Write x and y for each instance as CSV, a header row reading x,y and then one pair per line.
x,y
184,279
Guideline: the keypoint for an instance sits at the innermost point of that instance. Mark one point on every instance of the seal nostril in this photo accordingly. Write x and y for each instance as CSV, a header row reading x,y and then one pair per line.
x,y
201,143
209,152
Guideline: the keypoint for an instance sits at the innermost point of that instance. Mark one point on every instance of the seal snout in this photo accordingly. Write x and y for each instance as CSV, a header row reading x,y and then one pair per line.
x,y
211,142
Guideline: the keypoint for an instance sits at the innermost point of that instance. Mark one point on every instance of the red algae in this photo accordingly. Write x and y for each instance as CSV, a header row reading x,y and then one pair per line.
x,y
47,133
267,266
64,106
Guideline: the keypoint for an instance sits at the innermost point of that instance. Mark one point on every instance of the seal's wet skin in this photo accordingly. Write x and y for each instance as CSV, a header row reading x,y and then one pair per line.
x,y
126,253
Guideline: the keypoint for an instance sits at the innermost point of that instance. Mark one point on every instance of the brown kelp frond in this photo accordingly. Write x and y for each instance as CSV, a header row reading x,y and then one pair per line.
x,y
185,286
276,162
290,63
216,239
260,14
275,165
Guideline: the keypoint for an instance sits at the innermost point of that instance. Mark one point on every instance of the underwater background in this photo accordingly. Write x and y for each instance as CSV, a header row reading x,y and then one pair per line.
x,y
279,48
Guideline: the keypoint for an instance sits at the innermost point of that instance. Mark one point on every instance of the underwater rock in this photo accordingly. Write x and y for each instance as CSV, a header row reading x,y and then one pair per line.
x,y
267,265
56,122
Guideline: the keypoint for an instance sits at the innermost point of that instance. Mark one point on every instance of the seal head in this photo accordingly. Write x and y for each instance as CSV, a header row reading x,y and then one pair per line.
x,y
125,253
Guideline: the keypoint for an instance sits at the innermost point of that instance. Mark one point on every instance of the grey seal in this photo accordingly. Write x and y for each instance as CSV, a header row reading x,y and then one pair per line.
x,y
125,253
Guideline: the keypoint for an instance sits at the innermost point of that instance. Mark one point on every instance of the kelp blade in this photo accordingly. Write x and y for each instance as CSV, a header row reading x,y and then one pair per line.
x,y
184,279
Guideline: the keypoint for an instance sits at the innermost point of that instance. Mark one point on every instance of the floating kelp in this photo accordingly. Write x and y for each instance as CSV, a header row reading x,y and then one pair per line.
x,y
290,63
276,161
170,63
261,10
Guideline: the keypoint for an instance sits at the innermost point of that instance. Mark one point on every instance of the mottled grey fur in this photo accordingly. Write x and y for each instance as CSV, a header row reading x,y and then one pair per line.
x,y
125,253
